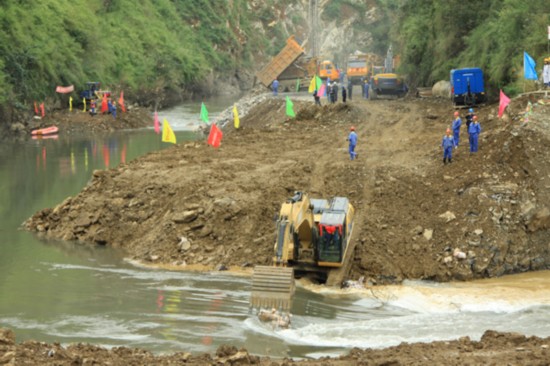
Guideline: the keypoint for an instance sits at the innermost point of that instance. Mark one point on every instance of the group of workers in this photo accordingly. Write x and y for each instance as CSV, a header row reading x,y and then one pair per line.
x,y
452,136
450,140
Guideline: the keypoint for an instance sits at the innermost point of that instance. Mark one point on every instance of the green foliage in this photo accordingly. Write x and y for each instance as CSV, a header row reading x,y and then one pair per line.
x,y
434,37
146,46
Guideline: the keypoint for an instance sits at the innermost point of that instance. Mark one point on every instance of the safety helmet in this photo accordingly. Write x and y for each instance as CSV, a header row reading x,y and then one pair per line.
x,y
471,110
475,118
352,128
456,114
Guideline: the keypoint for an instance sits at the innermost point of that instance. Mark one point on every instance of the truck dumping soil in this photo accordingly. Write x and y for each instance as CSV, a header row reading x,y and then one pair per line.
x,y
192,206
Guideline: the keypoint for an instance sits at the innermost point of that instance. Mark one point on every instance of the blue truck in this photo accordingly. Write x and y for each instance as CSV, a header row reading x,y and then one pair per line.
x,y
467,86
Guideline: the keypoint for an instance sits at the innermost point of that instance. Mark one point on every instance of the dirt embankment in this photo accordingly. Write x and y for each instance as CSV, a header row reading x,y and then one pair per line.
x,y
484,215
494,348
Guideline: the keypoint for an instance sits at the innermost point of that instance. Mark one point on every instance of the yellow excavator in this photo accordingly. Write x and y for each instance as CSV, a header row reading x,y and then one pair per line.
x,y
314,240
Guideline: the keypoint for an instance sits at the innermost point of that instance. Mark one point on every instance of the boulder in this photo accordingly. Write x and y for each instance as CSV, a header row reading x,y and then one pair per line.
x,y
442,89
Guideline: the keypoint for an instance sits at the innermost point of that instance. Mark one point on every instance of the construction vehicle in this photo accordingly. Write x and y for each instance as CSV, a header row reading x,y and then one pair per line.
x,y
93,91
313,240
467,87
360,66
292,67
387,82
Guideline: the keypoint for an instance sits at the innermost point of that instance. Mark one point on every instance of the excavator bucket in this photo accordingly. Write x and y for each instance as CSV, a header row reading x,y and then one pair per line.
x,y
272,287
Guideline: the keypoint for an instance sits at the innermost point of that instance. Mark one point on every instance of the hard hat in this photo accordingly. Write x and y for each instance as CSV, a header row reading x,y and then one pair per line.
x,y
448,131
456,114
471,110
475,118
352,128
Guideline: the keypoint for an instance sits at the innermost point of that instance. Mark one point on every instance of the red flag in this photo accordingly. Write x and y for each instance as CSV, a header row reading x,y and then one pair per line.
x,y
64,89
215,136
104,106
504,101
35,109
42,111
121,101
157,123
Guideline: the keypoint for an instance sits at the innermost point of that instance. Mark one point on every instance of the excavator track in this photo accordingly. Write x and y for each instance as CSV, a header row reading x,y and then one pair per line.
x,y
272,287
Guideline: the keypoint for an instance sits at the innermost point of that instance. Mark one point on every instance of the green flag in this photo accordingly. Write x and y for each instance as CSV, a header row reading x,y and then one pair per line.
x,y
289,108
318,82
204,113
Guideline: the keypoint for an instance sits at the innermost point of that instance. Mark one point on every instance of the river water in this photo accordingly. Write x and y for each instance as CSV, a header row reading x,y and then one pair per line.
x,y
66,292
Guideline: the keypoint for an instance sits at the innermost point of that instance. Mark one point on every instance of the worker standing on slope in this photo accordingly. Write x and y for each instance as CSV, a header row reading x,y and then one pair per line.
x,y
352,138
474,130
447,144
456,128
469,118
275,87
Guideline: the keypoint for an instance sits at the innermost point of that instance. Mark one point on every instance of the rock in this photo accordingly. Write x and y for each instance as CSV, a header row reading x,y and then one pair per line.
x,y
539,221
7,336
428,233
418,230
442,89
447,259
184,244
457,253
185,217
154,258
478,232
448,216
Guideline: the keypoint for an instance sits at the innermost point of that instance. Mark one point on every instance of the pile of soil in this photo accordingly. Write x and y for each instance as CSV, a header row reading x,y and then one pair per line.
x,y
483,215
494,348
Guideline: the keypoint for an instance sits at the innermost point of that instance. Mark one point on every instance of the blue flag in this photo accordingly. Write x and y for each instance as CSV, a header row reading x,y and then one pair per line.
x,y
529,67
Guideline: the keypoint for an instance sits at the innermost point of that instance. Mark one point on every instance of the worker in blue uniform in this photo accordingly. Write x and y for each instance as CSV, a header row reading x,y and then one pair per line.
x,y
457,122
447,144
352,138
474,130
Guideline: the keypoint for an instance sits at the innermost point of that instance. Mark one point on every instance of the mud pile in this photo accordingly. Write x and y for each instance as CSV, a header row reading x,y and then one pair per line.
x,y
484,215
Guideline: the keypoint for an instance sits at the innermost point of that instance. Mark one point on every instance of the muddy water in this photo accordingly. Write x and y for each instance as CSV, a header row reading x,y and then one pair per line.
x,y
59,291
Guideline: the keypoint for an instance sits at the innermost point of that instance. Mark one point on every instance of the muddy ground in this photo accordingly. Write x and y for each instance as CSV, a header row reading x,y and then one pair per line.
x,y
195,206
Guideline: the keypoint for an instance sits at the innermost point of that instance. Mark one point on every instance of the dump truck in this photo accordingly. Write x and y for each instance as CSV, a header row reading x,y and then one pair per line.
x,y
292,67
313,239
467,86
288,55
360,66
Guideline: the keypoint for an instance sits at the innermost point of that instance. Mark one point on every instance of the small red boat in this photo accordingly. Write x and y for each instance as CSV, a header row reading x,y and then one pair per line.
x,y
52,130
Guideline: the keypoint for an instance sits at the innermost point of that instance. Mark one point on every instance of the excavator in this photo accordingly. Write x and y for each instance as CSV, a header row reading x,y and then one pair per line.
x,y
313,240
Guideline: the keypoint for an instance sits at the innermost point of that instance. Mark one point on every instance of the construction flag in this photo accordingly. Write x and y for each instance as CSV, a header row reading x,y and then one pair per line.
x,y
312,86
104,106
236,120
70,104
157,123
322,90
215,136
204,113
35,109
42,111
289,107
318,82
529,67
504,101
167,132
121,101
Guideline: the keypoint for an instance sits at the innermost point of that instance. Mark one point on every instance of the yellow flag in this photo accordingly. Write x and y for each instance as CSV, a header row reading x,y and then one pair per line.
x,y
84,101
167,133
70,104
312,86
236,116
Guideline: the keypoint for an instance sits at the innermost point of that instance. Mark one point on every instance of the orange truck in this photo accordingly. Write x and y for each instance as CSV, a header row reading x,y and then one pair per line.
x,y
361,66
